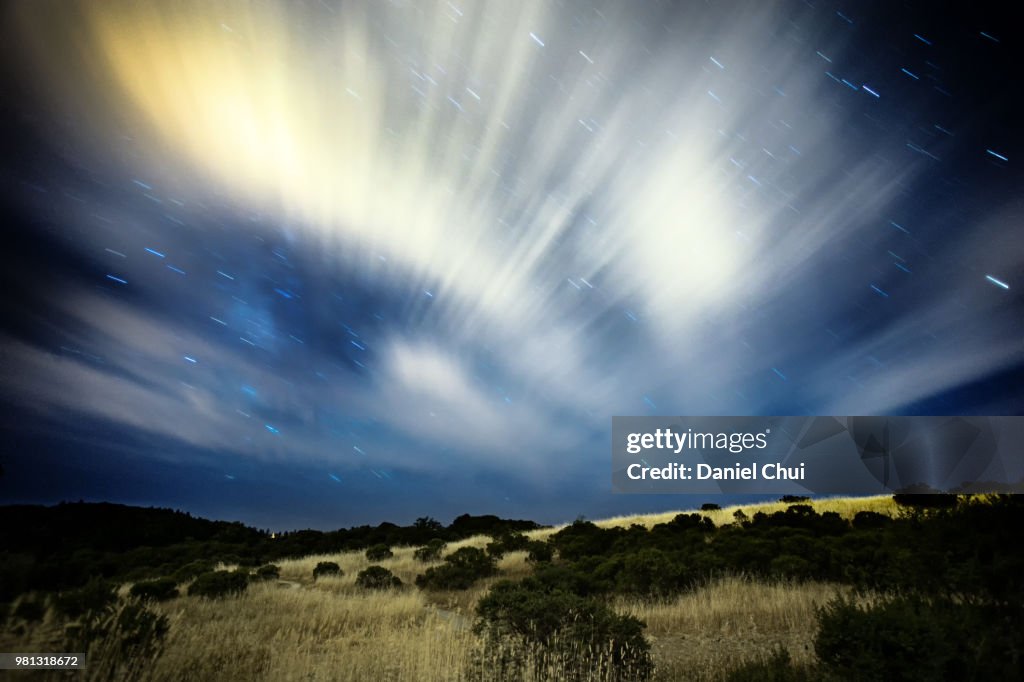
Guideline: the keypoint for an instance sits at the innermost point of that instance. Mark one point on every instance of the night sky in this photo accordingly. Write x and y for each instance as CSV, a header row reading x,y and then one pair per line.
x,y
318,264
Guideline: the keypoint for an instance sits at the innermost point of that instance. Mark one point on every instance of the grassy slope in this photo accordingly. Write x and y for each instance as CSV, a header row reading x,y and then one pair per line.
x,y
844,506
332,630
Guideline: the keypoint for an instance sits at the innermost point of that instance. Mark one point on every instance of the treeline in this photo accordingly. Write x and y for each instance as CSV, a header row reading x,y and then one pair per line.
x,y
63,546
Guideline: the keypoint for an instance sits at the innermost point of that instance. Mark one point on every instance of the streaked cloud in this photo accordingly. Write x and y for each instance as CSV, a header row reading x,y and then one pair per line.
x,y
597,213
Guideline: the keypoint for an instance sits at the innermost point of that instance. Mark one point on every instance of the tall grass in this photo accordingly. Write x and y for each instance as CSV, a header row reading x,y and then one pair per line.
x,y
282,633
701,634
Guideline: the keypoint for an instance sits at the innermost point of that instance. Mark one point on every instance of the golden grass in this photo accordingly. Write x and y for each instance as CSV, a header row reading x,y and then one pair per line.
x,y
282,633
330,629
698,635
330,632
846,507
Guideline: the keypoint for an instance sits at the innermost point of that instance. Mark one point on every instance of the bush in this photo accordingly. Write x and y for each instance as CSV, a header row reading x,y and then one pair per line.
x,y
913,638
445,577
507,542
377,578
651,571
121,642
431,551
794,499
139,630
379,553
582,539
539,552
30,608
160,589
687,522
268,572
472,559
192,570
710,506
531,631
461,569
868,519
217,584
95,595
327,568
791,566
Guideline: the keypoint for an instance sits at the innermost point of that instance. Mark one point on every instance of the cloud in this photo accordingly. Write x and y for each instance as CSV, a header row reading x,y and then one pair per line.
x,y
597,212
140,371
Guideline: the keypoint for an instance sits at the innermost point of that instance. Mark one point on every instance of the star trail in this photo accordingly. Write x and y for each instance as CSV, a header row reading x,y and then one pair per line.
x,y
330,263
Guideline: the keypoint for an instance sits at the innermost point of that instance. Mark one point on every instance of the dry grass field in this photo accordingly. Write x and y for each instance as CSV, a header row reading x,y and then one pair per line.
x,y
331,629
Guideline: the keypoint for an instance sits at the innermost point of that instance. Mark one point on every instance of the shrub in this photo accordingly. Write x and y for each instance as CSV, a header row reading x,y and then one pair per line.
x,y
377,578
710,506
652,571
684,522
231,559
460,570
121,642
472,559
870,519
794,499
791,566
268,572
431,551
327,568
141,573
379,553
192,570
160,589
95,595
507,542
539,552
139,630
30,608
913,638
217,584
445,577
585,579
560,635
581,539
17,573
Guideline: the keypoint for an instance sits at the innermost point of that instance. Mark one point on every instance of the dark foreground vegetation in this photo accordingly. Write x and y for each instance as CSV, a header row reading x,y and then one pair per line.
x,y
937,592
947,579
61,547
